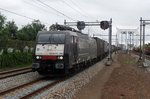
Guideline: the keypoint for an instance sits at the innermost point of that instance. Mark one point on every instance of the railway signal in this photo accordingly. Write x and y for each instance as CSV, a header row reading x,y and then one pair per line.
x,y
80,25
104,25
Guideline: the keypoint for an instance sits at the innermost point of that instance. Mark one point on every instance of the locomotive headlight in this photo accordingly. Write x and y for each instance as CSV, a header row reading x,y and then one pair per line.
x,y
37,57
60,57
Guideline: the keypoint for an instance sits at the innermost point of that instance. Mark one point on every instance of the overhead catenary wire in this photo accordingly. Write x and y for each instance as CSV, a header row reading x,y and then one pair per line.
x,y
56,10
100,35
39,7
39,2
76,5
83,11
19,15
42,7
72,7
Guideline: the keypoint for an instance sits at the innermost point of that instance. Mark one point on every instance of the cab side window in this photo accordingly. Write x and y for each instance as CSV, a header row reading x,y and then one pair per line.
x,y
73,39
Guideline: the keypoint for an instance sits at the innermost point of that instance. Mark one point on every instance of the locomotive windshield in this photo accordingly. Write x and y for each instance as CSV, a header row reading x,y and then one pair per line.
x,y
51,38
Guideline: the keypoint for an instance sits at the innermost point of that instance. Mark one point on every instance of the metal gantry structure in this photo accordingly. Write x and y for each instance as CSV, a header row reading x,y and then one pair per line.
x,y
103,24
127,38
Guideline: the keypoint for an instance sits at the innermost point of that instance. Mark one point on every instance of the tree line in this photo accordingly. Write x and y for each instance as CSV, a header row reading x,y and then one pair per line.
x,y
10,31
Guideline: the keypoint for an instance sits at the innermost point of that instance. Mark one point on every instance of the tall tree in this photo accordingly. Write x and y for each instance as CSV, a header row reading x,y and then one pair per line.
x,y
2,23
11,28
30,31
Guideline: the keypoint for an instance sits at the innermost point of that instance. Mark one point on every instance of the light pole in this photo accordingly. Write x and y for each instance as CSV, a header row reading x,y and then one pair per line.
x,y
143,54
143,23
140,57
130,33
126,42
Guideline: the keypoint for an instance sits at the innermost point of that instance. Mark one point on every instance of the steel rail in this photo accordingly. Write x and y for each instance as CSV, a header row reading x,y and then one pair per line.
x,y
14,70
18,87
41,89
6,75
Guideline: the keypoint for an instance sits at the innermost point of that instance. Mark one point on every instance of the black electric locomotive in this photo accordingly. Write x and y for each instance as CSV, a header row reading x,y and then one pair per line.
x,y
60,52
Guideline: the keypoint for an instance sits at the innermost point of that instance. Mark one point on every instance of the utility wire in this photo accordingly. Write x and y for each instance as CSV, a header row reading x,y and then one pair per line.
x,y
56,10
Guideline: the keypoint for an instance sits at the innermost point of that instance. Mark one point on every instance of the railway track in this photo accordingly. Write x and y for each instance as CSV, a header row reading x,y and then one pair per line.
x,y
17,87
32,93
40,89
10,73
146,56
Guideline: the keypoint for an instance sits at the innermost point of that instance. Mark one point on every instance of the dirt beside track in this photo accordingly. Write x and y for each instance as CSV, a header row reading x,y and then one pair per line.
x,y
122,80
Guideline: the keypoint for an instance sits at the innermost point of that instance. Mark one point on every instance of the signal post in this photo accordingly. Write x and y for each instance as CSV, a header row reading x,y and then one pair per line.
x,y
109,61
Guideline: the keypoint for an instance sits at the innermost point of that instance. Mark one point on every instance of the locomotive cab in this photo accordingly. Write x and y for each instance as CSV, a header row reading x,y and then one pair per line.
x,y
53,52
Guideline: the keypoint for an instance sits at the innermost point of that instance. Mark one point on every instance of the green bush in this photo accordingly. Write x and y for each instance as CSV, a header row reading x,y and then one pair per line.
x,y
15,59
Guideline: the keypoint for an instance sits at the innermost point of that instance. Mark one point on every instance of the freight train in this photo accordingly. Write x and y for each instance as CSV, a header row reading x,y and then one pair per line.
x,y
64,50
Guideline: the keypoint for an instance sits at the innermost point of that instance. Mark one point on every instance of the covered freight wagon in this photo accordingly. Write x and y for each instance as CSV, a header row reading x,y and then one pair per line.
x,y
100,48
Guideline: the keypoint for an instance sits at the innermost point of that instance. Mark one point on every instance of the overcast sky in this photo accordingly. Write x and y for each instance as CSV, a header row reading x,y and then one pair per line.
x,y
124,13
